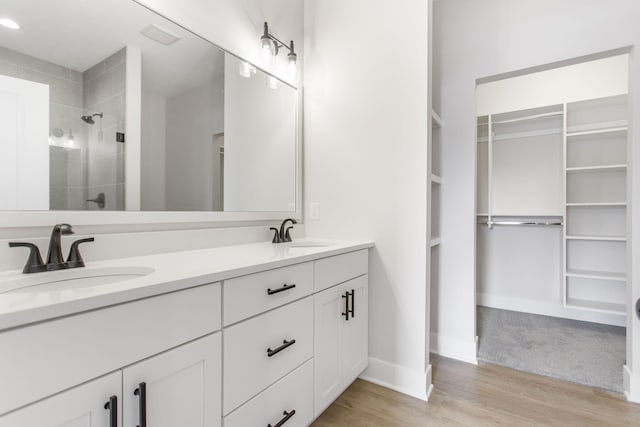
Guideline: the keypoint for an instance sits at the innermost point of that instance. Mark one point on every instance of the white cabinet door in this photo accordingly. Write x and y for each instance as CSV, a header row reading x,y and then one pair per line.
x,y
82,406
354,334
341,335
181,387
329,306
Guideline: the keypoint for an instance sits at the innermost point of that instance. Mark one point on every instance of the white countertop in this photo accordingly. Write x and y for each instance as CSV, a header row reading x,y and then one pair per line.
x,y
171,272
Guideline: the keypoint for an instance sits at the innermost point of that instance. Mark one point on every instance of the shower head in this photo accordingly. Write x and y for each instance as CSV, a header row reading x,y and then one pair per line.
x,y
89,119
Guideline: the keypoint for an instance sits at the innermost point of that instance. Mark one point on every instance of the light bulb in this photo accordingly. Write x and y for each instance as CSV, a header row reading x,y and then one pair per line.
x,y
292,67
9,23
272,82
246,69
70,137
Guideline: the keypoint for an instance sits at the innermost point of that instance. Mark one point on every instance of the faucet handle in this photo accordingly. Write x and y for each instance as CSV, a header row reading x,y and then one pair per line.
x,y
276,235
287,235
75,259
34,262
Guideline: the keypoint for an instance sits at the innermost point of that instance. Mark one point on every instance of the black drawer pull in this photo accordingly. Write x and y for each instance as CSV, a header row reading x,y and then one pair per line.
x,y
284,287
284,345
141,392
287,415
112,407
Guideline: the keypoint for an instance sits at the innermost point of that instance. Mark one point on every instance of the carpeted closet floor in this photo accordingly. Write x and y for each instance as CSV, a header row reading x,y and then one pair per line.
x,y
582,352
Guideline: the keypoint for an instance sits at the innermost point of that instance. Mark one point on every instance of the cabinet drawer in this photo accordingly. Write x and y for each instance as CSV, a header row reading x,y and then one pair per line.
x,y
62,353
292,393
248,366
340,268
249,295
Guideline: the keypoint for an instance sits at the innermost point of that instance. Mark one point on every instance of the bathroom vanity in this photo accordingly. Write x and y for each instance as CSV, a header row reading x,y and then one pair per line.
x,y
246,335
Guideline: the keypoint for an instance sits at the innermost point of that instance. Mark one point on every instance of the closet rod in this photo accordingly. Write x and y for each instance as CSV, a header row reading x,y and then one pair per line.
x,y
538,223
535,116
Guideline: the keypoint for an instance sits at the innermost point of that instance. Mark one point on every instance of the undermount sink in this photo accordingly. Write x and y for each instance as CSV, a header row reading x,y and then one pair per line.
x,y
72,279
308,245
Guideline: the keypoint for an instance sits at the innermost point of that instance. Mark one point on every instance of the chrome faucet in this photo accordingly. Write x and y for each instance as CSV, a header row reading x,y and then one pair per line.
x,y
55,260
283,235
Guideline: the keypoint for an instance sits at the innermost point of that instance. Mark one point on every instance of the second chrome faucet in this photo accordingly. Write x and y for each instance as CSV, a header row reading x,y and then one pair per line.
x,y
55,260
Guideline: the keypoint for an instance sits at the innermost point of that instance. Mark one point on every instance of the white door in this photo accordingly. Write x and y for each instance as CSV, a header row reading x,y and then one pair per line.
x,y
329,306
82,406
181,387
354,335
24,146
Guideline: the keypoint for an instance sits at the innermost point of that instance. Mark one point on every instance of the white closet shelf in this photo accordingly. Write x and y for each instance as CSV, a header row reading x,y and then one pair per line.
x,y
598,238
436,179
594,204
436,120
602,168
604,275
614,124
435,241
531,117
597,131
603,307
522,135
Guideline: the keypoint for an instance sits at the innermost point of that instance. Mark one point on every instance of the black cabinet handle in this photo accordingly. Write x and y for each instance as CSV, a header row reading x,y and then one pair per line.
x,y
284,287
284,345
346,305
141,392
353,302
287,416
112,407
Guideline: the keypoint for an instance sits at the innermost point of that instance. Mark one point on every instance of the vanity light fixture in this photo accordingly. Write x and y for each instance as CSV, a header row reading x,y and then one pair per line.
x,y
9,23
271,46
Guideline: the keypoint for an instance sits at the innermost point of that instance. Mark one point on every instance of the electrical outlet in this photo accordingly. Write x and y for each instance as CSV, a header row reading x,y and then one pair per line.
x,y
315,211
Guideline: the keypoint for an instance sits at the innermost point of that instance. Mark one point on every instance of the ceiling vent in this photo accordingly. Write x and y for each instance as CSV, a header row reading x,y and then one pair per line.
x,y
159,35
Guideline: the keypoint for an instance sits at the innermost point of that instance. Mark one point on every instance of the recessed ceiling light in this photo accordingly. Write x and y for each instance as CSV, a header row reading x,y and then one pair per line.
x,y
9,23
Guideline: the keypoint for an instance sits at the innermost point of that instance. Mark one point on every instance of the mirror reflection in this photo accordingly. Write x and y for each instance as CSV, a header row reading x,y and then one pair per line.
x,y
119,108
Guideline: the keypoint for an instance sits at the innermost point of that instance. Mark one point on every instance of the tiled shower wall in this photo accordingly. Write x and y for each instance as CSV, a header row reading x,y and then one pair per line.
x,y
67,166
94,162
103,92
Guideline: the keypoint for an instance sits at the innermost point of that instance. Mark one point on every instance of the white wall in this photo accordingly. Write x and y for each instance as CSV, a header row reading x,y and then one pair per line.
x,y
365,133
260,142
192,163
489,37
594,79
153,147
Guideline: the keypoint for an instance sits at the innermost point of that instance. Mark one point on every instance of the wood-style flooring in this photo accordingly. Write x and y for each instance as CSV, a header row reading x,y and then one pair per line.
x,y
468,395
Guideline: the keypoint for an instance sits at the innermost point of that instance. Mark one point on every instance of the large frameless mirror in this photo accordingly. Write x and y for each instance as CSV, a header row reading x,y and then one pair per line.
x,y
108,106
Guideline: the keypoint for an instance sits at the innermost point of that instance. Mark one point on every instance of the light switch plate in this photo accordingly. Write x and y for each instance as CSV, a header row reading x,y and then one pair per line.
x,y
315,211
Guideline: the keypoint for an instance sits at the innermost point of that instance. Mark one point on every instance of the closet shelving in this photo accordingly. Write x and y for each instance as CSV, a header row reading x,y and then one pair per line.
x,y
560,167
519,164
595,146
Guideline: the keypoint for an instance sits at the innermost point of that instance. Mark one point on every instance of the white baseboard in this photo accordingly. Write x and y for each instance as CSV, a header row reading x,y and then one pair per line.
x,y
429,381
631,385
399,378
454,348
548,308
